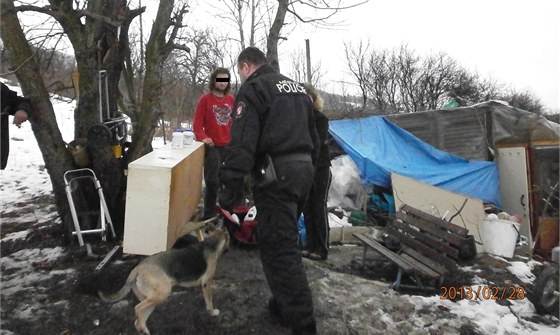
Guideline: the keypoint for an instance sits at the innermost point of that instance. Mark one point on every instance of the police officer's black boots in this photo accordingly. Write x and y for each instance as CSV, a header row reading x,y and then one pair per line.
x,y
275,314
306,326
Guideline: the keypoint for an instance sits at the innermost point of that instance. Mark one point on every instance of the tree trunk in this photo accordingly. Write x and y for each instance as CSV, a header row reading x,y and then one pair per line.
x,y
100,43
274,34
157,51
43,121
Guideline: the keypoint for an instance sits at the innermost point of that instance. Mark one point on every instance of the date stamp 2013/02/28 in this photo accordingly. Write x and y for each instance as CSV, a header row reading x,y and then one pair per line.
x,y
482,292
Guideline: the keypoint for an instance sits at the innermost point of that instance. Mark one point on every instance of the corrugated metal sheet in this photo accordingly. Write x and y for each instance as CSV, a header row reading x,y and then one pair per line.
x,y
462,131
470,132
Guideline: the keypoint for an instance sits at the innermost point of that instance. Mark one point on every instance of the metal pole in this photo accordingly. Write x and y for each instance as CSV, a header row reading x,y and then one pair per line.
x,y
100,91
74,215
103,93
308,56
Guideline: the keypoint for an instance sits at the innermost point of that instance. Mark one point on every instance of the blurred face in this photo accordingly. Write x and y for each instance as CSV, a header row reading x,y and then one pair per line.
x,y
244,71
221,81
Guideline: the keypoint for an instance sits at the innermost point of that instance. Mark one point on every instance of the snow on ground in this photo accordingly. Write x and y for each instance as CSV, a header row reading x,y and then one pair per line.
x,y
25,178
26,275
523,270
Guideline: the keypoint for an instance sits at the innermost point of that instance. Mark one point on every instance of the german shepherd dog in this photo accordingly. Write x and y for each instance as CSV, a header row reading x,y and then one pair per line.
x,y
152,279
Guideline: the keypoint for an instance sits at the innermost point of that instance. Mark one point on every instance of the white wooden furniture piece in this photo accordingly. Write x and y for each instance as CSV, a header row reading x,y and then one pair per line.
x,y
163,191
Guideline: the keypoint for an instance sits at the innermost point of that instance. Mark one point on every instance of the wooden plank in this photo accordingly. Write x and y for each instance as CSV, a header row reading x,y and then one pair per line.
x,y
441,270
425,250
344,234
407,267
428,240
430,228
438,202
423,269
433,219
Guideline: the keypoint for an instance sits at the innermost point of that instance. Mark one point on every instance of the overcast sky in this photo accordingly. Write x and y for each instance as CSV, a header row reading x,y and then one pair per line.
x,y
514,41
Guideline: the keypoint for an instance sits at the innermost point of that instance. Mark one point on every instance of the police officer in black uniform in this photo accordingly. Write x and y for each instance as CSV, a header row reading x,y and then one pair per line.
x,y
274,137
19,107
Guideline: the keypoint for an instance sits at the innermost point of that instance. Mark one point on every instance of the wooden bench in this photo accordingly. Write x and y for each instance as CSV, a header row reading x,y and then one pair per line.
x,y
429,246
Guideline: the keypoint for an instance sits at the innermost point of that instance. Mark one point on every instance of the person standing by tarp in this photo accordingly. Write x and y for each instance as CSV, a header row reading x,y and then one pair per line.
x,y
212,125
274,136
19,107
315,213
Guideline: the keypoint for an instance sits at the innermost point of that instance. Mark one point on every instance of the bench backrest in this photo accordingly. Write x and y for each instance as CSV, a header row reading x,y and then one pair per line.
x,y
428,238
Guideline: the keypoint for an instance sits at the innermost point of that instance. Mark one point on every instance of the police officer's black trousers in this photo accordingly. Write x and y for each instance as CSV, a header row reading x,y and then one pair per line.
x,y
213,157
315,213
4,140
278,206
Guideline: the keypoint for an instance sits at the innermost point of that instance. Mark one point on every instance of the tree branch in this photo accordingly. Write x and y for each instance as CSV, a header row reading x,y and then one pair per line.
x,y
22,64
181,47
135,12
327,7
98,17
30,8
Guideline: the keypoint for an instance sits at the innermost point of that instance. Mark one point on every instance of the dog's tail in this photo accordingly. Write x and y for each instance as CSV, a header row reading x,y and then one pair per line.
x,y
123,291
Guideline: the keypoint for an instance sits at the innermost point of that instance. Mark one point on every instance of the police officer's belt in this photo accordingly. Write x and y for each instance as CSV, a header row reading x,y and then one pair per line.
x,y
297,157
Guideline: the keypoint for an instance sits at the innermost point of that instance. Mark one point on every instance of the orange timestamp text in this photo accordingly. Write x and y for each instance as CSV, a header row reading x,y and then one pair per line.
x,y
482,292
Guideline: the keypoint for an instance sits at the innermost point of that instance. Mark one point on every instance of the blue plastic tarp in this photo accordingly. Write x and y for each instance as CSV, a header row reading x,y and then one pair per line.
x,y
379,147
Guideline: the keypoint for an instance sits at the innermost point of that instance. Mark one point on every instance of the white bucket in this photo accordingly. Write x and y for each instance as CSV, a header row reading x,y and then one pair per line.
x,y
499,237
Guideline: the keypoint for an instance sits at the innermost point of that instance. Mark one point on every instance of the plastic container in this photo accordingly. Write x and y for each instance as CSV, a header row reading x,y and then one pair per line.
x,y
555,257
177,139
499,237
188,137
302,231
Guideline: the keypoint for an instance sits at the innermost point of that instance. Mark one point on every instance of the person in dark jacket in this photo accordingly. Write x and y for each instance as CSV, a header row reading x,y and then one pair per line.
x,y
273,135
19,107
315,213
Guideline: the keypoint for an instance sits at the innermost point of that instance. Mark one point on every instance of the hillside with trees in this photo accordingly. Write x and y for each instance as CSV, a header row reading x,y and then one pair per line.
x,y
152,73
393,81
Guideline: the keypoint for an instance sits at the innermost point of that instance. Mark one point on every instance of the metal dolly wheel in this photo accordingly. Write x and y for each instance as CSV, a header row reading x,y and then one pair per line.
x,y
71,176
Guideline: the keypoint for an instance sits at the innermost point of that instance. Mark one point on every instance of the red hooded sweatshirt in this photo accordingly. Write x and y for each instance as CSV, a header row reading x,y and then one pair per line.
x,y
212,119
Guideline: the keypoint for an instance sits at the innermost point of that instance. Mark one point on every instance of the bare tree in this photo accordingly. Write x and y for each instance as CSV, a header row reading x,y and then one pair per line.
x,y
438,74
466,87
525,100
341,104
43,122
189,73
254,23
391,86
298,71
98,32
249,18
400,81
488,89
320,14
357,64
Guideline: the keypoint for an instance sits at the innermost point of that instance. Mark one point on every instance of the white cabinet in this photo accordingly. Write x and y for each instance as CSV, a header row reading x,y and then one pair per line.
x,y
163,191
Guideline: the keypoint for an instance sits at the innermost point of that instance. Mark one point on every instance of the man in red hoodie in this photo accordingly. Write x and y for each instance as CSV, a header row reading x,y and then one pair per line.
x,y
211,125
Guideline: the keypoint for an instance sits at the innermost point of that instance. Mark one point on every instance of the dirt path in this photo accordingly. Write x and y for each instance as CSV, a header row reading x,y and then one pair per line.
x,y
43,294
